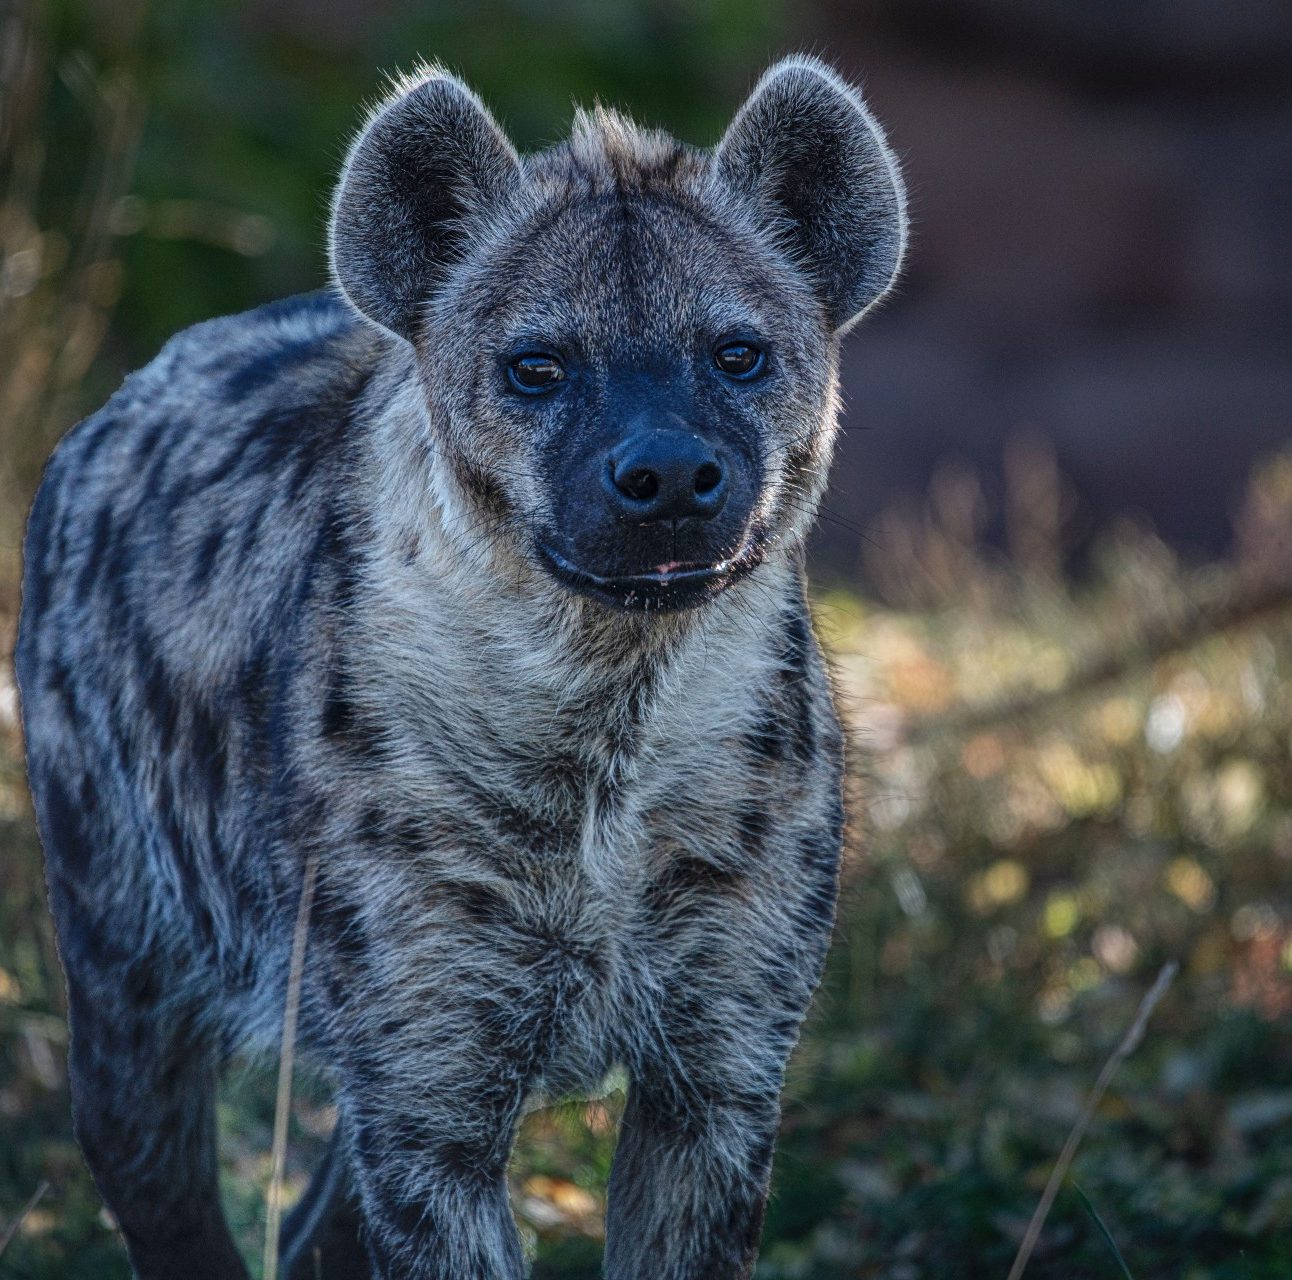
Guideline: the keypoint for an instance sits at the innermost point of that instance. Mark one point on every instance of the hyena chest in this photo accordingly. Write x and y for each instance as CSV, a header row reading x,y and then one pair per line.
x,y
524,894
527,913
583,958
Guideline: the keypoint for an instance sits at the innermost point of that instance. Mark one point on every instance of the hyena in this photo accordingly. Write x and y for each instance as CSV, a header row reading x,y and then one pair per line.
x,y
475,585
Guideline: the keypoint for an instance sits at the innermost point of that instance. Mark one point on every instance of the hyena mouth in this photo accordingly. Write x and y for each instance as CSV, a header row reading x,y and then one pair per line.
x,y
666,588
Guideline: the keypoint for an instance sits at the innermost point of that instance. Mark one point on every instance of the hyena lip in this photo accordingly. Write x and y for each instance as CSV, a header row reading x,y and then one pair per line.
x,y
665,588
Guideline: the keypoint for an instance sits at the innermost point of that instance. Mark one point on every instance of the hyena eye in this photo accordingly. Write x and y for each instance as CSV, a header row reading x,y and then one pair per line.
x,y
534,372
739,360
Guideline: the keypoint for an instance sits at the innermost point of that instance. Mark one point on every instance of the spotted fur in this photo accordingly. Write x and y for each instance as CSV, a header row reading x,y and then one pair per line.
x,y
284,598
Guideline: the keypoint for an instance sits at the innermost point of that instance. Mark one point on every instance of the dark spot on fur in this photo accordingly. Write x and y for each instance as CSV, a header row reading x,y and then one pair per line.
x,y
753,823
210,752
481,904
337,984
481,486
468,1164
338,711
59,682
281,361
795,666
86,947
204,562
419,836
765,741
346,725
819,849
185,858
408,1217
89,799
411,546
155,692
36,578
193,485
687,882
252,702
101,538
91,437
340,924
371,824
61,824
802,459
141,982
819,903
796,647
150,439
519,825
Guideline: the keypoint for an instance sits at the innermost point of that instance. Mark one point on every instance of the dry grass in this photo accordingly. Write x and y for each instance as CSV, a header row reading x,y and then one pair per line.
x,y
1128,1045
286,1059
23,1214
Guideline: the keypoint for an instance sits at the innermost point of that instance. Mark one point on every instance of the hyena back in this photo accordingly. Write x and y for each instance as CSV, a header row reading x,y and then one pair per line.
x,y
476,585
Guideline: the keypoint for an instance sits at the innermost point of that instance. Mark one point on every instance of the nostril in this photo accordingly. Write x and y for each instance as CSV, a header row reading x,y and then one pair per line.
x,y
640,484
707,479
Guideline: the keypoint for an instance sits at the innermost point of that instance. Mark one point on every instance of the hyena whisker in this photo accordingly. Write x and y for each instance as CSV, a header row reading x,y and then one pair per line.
x,y
817,511
813,505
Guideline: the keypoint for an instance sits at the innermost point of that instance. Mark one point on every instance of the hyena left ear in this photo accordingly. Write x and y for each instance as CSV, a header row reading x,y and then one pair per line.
x,y
426,173
815,164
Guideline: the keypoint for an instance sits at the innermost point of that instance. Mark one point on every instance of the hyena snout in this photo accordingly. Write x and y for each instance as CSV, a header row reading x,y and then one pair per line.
x,y
665,473
657,519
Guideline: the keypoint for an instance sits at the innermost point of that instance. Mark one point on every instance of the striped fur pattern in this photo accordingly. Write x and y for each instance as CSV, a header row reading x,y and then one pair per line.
x,y
287,594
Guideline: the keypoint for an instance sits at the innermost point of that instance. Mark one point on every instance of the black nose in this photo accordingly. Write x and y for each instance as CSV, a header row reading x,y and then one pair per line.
x,y
666,475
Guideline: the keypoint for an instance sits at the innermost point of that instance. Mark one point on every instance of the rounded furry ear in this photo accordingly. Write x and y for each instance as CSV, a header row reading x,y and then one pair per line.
x,y
814,162
427,169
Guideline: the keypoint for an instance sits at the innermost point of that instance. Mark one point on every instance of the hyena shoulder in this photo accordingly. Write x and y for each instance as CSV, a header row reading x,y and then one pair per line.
x,y
192,497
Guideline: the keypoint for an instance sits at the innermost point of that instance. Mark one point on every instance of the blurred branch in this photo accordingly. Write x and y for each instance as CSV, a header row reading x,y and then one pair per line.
x,y
1235,605
59,284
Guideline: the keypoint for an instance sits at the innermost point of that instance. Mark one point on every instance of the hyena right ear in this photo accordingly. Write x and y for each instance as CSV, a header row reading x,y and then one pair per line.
x,y
812,160
426,172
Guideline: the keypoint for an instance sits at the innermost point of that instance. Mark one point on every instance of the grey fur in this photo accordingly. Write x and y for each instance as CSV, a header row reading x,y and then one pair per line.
x,y
284,595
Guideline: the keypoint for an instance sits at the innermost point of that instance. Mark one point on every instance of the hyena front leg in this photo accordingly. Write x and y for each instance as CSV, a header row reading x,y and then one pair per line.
x,y
143,1101
432,1175
691,1173
435,1063
322,1237
689,1183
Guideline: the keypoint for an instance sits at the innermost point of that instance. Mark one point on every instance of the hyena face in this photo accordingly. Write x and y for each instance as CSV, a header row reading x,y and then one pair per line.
x,y
641,445
627,345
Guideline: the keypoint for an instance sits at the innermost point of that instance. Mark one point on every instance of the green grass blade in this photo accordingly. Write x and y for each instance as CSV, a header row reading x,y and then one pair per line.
x,y
1103,1231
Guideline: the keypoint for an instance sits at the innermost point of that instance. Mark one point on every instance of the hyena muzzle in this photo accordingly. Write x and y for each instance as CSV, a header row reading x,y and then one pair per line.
x,y
474,584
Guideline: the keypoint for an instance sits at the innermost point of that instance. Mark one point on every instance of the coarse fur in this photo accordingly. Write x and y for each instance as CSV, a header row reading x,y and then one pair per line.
x,y
321,582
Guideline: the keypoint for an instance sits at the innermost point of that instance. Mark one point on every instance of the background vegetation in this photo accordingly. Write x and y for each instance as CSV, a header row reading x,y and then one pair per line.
x,y
1060,781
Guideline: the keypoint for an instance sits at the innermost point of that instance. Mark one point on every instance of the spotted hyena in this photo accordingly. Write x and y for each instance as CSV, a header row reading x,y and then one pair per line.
x,y
476,584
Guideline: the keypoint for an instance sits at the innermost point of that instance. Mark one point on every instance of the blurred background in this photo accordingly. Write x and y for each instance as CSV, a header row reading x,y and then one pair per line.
x,y
1055,571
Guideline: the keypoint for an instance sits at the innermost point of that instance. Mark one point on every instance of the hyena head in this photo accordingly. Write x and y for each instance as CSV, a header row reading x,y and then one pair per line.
x,y
627,345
